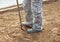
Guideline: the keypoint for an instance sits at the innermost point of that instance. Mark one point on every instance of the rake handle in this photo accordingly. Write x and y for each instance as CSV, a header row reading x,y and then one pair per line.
x,y
19,14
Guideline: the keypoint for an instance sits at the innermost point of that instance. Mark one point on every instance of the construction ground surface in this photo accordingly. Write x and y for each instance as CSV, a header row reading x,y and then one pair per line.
x,y
10,30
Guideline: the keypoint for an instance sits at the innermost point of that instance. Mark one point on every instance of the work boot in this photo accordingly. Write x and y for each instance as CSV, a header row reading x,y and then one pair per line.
x,y
34,30
26,24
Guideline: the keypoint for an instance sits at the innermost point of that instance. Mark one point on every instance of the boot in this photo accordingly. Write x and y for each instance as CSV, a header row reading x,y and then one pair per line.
x,y
34,30
26,24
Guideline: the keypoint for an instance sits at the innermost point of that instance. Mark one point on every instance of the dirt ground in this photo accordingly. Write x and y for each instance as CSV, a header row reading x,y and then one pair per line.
x,y
10,29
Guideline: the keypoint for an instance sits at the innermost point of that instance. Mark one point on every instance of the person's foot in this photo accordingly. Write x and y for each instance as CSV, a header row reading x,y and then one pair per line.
x,y
34,30
26,24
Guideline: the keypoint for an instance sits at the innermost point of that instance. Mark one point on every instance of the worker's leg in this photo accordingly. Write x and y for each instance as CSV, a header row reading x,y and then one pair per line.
x,y
37,15
27,9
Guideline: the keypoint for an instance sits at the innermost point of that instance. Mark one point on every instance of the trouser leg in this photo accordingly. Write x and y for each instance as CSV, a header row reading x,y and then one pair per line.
x,y
27,9
36,6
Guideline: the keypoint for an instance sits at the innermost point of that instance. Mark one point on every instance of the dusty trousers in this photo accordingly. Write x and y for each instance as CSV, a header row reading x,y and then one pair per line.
x,y
33,12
